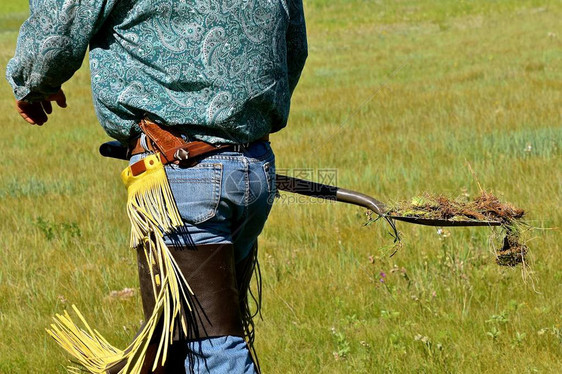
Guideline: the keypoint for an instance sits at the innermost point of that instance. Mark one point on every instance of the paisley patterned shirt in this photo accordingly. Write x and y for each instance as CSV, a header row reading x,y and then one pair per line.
x,y
222,70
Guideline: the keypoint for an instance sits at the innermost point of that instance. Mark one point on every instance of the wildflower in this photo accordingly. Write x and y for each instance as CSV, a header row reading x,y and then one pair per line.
x,y
383,276
443,233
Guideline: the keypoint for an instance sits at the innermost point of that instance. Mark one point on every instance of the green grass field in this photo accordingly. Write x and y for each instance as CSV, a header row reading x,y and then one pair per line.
x,y
400,97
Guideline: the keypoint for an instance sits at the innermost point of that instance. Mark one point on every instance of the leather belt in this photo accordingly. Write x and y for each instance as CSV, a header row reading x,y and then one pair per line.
x,y
183,150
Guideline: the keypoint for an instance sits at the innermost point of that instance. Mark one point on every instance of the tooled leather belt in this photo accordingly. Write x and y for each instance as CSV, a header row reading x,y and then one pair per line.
x,y
173,147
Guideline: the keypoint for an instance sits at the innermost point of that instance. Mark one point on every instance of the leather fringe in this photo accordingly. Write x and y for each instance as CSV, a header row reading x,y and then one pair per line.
x,y
245,270
152,212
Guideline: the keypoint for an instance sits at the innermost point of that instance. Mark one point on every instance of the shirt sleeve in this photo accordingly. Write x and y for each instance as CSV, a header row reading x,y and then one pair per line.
x,y
297,47
52,43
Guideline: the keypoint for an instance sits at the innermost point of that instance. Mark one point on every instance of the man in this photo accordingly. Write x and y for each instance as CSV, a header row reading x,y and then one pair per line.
x,y
219,72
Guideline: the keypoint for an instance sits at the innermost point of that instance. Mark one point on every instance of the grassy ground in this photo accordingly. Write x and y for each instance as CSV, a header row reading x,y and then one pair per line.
x,y
400,98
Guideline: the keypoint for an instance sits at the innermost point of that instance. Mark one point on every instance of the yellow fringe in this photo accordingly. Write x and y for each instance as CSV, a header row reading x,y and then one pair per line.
x,y
152,211
150,205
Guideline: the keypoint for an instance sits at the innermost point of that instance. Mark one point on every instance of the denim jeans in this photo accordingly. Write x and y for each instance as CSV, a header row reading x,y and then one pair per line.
x,y
225,198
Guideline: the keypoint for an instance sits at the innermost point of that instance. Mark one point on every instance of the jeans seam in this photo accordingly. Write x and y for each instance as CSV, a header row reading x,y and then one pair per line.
x,y
218,185
247,186
202,165
233,158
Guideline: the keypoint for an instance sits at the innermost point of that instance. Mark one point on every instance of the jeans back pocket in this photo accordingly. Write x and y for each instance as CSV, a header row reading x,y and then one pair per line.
x,y
196,190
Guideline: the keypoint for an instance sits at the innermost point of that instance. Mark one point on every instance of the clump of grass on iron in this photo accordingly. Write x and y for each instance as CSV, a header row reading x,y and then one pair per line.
x,y
485,207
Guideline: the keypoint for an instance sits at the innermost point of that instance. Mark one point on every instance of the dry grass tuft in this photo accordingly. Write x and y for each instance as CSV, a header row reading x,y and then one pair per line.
x,y
485,207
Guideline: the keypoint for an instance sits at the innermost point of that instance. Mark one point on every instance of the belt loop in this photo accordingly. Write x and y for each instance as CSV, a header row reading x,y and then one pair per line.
x,y
241,147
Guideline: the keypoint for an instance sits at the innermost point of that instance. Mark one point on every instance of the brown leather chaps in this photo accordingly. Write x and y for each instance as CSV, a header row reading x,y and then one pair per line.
x,y
217,303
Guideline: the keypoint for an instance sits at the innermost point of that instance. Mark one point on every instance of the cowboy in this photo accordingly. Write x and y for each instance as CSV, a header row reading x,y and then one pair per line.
x,y
215,77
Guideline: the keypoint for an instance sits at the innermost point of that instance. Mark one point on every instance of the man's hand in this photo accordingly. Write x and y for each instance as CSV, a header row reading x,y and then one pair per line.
x,y
36,113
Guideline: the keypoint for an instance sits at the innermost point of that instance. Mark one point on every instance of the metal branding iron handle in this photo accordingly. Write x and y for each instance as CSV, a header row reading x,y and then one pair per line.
x,y
323,191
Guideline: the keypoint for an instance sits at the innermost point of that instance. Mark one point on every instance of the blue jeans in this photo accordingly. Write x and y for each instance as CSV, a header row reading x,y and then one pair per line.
x,y
225,198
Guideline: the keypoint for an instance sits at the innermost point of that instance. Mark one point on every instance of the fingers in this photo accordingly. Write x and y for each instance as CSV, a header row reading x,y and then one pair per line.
x,y
59,98
47,107
29,120
32,113
36,113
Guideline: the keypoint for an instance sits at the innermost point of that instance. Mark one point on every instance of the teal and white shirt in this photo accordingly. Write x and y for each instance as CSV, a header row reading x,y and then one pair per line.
x,y
223,70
